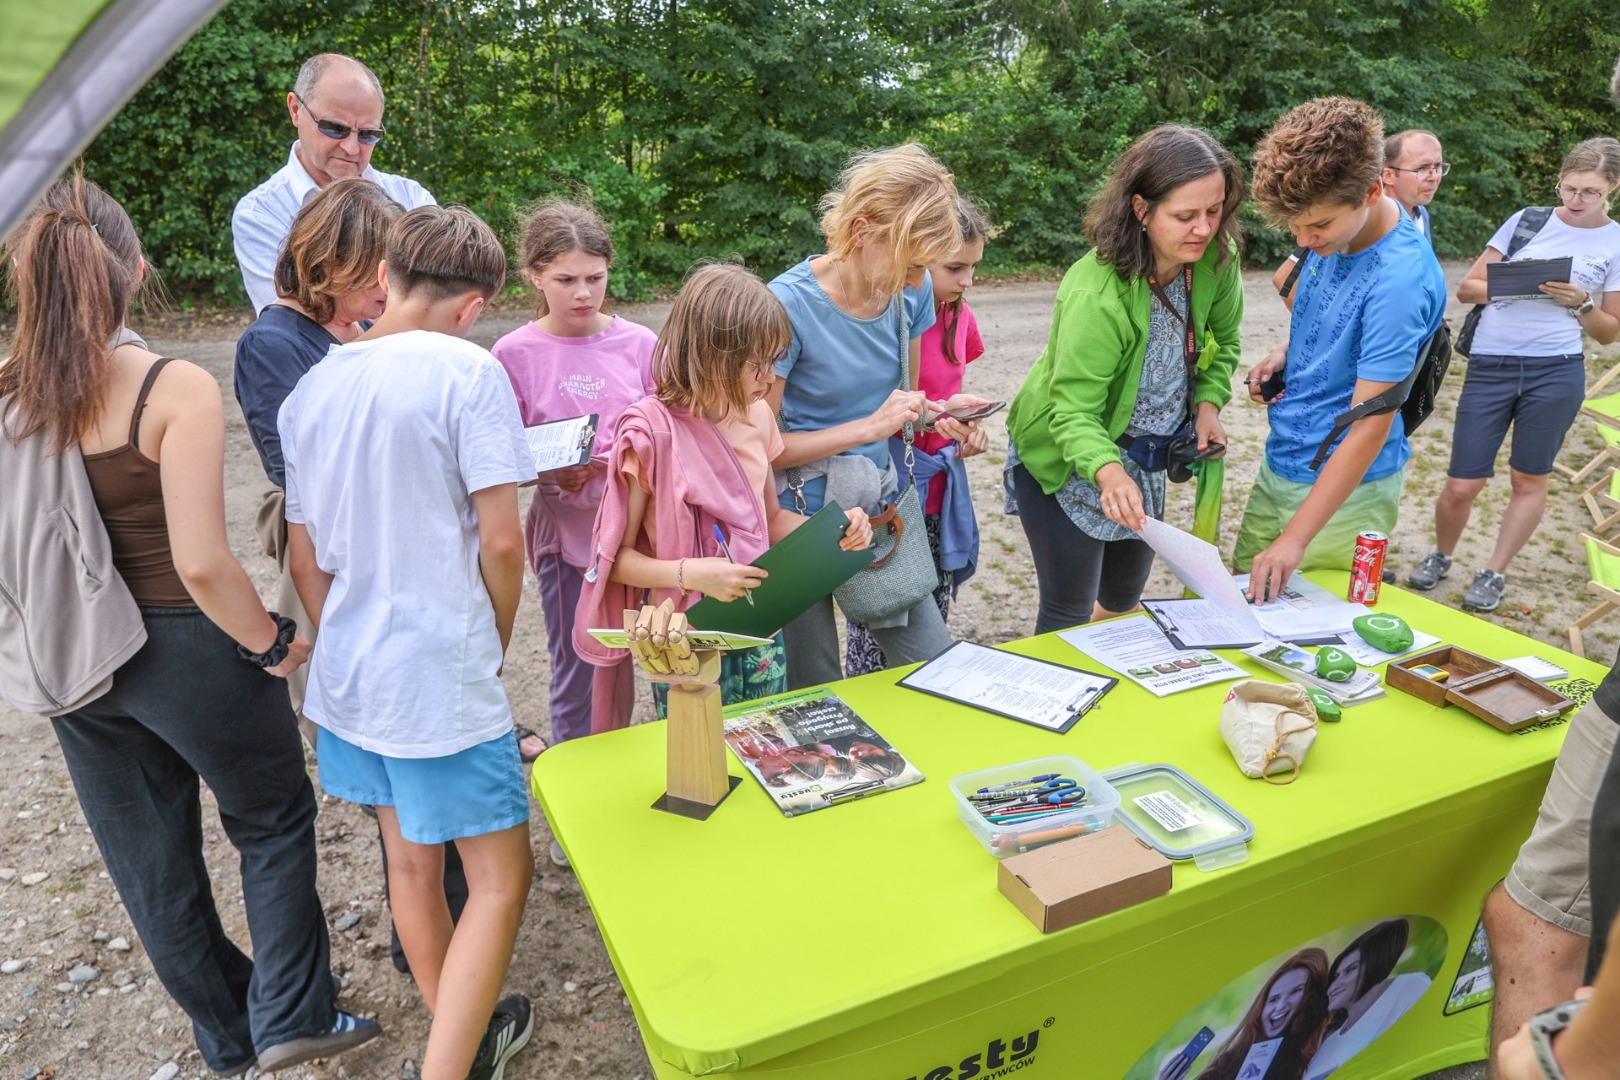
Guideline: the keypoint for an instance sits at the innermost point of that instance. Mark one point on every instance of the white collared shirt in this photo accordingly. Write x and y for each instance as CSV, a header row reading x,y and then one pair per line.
x,y
264,217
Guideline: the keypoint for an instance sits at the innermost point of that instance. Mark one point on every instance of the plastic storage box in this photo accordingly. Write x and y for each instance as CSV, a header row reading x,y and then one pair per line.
x,y
1101,800
1179,816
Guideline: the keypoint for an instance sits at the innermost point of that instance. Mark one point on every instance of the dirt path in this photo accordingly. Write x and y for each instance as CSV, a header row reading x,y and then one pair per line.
x,y
120,1024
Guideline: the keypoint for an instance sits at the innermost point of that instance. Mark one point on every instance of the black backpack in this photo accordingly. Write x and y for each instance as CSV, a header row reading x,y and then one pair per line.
x,y
1530,223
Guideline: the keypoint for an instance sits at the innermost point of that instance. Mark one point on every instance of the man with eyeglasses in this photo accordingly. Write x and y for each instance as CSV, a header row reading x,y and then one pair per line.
x,y
1412,172
336,107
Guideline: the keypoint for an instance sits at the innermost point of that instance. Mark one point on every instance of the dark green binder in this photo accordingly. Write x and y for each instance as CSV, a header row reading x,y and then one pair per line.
x,y
805,566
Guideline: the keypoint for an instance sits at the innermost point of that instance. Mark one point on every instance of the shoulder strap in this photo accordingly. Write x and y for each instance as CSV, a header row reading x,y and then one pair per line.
x,y
1386,402
1293,275
1532,221
140,399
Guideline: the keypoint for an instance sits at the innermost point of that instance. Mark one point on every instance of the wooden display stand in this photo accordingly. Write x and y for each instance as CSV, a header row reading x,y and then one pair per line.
x,y
697,777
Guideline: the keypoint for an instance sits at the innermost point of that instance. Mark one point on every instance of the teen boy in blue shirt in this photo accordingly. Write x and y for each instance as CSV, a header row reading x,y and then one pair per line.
x,y
1369,295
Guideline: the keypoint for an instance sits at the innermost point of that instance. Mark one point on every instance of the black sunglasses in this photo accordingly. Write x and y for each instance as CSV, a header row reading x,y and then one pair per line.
x,y
334,130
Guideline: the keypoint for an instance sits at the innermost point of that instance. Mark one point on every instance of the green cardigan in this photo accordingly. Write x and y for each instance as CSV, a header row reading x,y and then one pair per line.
x,y
1079,396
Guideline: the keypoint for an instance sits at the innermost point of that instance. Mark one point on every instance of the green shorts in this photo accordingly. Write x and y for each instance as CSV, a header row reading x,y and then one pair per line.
x,y
1375,504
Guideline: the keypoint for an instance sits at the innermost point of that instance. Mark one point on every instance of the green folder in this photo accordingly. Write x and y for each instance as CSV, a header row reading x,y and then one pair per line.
x,y
805,566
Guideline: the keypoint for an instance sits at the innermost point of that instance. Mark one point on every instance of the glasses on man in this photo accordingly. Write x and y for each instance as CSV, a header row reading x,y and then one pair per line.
x,y
1585,194
338,132
1436,168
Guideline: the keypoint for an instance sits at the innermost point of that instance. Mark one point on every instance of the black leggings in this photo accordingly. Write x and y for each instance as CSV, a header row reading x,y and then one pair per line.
x,y
1074,571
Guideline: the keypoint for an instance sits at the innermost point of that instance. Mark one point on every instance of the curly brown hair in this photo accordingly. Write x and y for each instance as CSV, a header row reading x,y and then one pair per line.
x,y
1153,166
1326,151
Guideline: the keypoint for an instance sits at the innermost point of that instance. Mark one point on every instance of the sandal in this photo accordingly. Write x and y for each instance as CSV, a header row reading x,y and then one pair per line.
x,y
523,733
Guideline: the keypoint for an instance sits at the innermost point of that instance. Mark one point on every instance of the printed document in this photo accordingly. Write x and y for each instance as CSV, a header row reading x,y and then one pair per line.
x,y
1137,649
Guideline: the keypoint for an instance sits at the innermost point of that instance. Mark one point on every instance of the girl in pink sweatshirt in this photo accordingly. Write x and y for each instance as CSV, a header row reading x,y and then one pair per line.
x,y
697,455
570,361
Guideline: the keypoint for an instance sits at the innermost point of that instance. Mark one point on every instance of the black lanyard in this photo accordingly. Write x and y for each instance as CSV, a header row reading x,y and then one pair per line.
x,y
1189,352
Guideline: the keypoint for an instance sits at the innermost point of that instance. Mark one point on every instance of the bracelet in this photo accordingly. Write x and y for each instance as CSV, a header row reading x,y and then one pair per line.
x,y
680,566
286,630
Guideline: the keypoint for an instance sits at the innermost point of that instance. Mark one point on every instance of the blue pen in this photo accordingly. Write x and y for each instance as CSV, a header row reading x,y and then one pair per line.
x,y
725,549
1041,779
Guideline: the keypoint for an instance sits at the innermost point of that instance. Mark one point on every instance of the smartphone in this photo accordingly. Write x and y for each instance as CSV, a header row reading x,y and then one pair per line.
x,y
1213,450
1270,388
977,412
1190,1052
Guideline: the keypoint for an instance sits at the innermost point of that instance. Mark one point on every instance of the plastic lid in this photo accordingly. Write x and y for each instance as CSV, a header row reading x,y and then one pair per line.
x,y
1179,816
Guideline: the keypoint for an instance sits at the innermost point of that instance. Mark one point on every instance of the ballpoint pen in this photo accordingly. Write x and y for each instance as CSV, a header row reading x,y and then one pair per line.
x,y
725,549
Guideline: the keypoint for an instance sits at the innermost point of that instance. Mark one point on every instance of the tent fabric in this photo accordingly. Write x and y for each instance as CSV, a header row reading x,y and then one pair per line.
x,y
66,68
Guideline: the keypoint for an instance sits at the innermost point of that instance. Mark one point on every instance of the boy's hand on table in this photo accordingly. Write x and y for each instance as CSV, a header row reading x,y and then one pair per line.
x,y
1271,569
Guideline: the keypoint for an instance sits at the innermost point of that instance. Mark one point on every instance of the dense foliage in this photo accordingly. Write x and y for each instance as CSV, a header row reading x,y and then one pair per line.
x,y
708,128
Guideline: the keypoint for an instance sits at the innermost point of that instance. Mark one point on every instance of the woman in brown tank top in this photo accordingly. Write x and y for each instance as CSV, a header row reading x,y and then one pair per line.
x,y
205,698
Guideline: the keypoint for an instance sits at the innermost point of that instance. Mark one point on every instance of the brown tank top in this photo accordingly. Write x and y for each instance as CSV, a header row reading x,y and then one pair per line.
x,y
129,494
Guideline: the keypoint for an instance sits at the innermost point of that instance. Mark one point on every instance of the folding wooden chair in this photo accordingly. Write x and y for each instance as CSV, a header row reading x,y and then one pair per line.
x,y
1602,501
1605,412
1603,562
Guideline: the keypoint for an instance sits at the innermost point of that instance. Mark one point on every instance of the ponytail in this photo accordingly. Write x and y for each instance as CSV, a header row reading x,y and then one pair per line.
x,y
75,270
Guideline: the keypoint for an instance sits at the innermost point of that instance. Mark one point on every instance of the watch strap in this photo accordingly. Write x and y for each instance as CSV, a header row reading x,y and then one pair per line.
x,y
1543,1026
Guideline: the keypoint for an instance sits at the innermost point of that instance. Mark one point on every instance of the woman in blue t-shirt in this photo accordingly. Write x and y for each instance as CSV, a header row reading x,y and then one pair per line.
x,y
839,393
1526,365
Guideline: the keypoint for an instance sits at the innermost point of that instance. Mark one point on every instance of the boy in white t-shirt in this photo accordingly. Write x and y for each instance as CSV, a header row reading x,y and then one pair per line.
x,y
404,451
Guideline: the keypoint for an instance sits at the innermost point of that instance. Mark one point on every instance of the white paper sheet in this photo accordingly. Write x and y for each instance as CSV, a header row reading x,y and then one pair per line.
x,y
561,443
1199,566
1304,610
1044,694
1137,649
1367,656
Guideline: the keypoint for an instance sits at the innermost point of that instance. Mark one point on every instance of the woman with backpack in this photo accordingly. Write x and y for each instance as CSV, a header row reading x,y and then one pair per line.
x,y
1526,367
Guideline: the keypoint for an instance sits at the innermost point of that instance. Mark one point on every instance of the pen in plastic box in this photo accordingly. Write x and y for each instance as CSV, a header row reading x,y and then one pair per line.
x,y
1041,779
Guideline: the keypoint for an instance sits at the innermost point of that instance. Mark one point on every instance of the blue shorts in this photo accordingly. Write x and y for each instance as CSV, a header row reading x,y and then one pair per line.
x,y
475,792
1538,396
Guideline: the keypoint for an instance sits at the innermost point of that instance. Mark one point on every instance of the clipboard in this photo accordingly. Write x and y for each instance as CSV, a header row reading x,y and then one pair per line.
x,y
1163,612
556,446
1089,695
1521,279
804,566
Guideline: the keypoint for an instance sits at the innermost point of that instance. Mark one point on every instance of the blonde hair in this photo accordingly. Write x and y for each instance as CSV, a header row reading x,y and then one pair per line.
x,y
722,319
1601,156
908,201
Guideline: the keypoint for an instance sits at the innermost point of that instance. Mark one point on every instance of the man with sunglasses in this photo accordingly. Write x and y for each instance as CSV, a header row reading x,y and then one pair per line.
x,y
336,106
1412,172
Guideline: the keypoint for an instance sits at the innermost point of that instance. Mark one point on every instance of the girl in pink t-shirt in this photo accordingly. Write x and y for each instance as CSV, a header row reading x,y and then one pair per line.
x,y
947,348
714,364
570,361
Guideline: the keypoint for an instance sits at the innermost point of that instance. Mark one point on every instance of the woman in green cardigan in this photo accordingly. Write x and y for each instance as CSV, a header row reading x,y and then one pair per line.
x,y
1143,343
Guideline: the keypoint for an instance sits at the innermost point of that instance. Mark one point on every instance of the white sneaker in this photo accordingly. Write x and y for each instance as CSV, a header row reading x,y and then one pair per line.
x,y
558,856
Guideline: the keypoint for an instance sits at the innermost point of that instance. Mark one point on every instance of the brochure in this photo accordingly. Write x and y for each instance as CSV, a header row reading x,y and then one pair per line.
x,y
1300,666
1036,692
811,750
1136,648
559,444
1367,656
698,639
1199,566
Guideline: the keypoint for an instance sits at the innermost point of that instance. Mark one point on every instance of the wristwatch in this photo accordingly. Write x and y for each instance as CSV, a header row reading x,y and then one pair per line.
x,y
286,630
1585,306
1543,1026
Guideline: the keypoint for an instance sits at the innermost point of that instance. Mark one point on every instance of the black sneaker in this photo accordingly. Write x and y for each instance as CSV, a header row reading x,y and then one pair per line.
x,y
509,1031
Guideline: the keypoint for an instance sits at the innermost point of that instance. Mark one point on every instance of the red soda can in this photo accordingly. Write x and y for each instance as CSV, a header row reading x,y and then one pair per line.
x,y
1367,567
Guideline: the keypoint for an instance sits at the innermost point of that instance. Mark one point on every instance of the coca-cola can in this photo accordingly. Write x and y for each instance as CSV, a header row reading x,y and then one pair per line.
x,y
1367,567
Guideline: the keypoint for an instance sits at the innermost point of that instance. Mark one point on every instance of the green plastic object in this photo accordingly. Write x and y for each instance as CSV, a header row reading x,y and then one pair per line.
x,y
1327,710
1334,664
1386,633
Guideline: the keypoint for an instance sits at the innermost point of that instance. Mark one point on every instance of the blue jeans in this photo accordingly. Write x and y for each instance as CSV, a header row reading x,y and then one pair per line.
x,y
183,708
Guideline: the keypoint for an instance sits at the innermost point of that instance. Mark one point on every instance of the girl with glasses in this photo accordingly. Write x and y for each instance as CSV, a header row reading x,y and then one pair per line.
x,y
1527,369
692,465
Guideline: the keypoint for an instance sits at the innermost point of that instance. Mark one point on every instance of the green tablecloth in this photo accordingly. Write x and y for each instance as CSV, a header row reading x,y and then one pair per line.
x,y
869,940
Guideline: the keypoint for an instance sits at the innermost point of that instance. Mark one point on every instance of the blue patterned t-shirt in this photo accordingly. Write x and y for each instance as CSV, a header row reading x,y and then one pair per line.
x,y
1361,316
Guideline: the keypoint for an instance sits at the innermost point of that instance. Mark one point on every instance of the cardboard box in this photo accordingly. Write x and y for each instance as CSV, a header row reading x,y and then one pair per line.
x,y
1062,884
